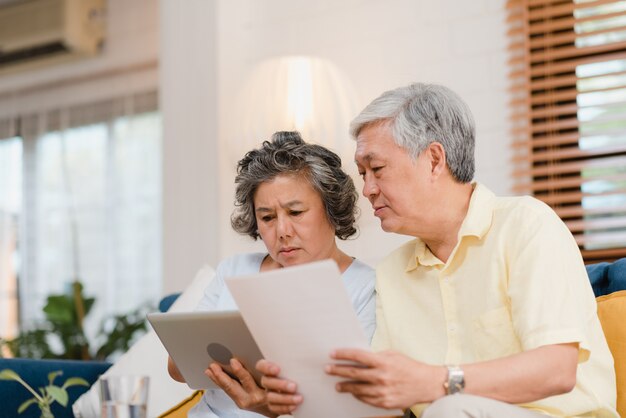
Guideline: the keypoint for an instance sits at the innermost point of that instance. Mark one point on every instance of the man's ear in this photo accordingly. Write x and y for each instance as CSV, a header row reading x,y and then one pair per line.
x,y
437,159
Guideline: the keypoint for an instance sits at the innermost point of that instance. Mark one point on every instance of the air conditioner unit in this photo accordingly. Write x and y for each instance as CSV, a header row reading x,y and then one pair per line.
x,y
34,32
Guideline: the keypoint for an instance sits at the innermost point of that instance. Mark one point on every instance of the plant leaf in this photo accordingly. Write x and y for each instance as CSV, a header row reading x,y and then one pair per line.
x,y
59,309
8,374
53,375
58,394
74,381
25,405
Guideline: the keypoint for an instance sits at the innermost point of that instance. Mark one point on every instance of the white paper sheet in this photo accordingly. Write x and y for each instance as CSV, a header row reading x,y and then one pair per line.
x,y
297,316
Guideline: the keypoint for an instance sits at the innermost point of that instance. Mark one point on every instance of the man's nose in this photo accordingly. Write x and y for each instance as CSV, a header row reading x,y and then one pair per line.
x,y
370,188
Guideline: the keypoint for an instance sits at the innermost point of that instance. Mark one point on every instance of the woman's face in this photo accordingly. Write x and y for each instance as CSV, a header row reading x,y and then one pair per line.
x,y
292,221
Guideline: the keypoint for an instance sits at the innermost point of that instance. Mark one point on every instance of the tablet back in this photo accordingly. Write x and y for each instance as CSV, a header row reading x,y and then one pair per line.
x,y
195,339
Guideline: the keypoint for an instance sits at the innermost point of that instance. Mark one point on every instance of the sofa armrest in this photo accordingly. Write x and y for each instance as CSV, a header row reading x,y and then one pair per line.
x,y
35,373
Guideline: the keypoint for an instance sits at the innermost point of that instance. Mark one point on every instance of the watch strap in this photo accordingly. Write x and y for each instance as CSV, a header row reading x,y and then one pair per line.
x,y
456,380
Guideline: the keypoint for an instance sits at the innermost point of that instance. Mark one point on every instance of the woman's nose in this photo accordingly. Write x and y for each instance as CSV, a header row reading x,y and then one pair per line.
x,y
284,227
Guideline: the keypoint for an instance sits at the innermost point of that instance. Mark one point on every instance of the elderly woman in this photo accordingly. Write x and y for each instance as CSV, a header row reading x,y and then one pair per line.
x,y
297,199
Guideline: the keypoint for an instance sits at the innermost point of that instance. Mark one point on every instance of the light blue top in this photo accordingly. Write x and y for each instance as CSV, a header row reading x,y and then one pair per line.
x,y
358,278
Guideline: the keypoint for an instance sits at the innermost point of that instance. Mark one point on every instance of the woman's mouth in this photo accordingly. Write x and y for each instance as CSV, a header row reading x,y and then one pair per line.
x,y
288,251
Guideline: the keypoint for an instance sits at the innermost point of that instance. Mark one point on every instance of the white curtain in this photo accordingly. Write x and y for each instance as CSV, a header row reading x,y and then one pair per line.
x,y
91,206
10,207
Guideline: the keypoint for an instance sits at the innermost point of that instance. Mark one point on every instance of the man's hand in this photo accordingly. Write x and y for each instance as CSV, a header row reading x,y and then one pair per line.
x,y
387,379
245,392
282,396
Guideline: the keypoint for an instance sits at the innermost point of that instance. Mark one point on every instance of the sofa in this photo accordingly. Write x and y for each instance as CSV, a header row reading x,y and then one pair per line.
x,y
608,281
35,373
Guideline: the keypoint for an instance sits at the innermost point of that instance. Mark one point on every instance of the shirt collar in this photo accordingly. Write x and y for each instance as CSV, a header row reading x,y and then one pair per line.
x,y
476,223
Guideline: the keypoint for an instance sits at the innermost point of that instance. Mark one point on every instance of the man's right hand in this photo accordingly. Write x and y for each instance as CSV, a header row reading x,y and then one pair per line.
x,y
282,396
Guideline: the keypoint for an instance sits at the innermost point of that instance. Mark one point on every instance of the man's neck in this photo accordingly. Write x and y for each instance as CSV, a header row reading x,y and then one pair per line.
x,y
453,204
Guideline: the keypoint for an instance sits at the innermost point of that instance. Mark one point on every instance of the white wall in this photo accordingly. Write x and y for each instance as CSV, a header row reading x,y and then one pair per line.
x,y
188,108
378,46
208,49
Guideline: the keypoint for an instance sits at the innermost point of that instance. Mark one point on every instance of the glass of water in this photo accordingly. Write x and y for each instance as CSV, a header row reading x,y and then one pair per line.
x,y
124,396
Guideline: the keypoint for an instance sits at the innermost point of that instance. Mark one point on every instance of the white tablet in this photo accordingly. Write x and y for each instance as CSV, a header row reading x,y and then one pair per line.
x,y
196,339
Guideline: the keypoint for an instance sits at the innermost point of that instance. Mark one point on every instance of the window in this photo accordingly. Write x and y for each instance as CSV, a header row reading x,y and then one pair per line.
x,y
568,74
91,208
10,208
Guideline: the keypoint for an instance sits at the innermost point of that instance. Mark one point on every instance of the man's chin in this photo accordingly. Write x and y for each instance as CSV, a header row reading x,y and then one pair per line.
x,y
387,226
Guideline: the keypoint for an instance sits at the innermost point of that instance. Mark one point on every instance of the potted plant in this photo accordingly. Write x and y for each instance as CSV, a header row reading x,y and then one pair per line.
x,y
47,395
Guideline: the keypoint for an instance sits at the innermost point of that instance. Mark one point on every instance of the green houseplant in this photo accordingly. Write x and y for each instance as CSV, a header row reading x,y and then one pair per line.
x,y
47,395
64,317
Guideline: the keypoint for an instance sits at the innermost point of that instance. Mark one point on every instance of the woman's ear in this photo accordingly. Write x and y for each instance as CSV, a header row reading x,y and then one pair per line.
x,y
437,159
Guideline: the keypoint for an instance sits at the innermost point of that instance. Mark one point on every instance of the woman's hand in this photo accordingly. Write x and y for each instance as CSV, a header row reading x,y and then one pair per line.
x,y
245,392
282,398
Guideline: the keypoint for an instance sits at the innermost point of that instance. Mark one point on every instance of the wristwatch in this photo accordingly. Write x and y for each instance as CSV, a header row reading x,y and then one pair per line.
x,y
456,380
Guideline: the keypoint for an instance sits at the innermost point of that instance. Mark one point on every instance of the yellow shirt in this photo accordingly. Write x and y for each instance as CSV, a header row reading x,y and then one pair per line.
x,y
515,281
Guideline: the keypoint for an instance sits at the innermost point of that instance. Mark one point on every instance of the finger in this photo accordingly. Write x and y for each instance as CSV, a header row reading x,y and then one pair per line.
x,y
283,399
209,373
359,389
225,382
351,372
364,357
276,384
282,409
267,367
372,400
244,376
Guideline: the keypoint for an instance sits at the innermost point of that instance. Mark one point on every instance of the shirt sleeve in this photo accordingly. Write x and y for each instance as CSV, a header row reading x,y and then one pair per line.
x,y
213,291
551,298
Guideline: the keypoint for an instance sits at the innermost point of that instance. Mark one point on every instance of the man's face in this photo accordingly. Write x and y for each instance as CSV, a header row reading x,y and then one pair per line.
x,y
396,185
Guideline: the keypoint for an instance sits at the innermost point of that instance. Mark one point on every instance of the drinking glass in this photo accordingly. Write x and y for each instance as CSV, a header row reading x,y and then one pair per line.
x,y
124,396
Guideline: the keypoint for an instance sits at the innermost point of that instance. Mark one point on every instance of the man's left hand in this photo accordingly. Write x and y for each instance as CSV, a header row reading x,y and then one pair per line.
x,y
387,379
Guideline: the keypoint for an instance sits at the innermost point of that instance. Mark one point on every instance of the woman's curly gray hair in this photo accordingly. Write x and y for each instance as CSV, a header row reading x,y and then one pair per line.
x,y
287,153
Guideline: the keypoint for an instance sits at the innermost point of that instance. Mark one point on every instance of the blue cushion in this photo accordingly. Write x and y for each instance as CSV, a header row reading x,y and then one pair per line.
x,y
166,303
607,278
35,373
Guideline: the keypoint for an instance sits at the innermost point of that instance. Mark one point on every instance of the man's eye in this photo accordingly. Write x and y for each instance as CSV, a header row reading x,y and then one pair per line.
x,y
267,218
375,169
296,212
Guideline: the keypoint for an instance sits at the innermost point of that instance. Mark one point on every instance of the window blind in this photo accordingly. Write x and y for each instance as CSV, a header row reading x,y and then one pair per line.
x,y
568,108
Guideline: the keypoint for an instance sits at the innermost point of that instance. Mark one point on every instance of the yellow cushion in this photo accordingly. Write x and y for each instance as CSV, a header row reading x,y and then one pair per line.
x,y
612,313
181,410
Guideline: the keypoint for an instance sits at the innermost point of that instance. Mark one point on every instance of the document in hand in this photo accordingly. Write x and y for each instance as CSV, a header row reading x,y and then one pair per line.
x,y
297,316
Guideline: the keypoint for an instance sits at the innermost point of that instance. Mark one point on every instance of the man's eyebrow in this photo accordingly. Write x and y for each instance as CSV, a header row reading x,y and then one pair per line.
x,y
367,157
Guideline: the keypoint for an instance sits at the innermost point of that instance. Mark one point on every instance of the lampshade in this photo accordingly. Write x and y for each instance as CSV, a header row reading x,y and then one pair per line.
x,y
300,93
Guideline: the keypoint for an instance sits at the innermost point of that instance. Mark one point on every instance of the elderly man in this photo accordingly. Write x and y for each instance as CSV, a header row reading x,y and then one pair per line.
x,y
489,303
